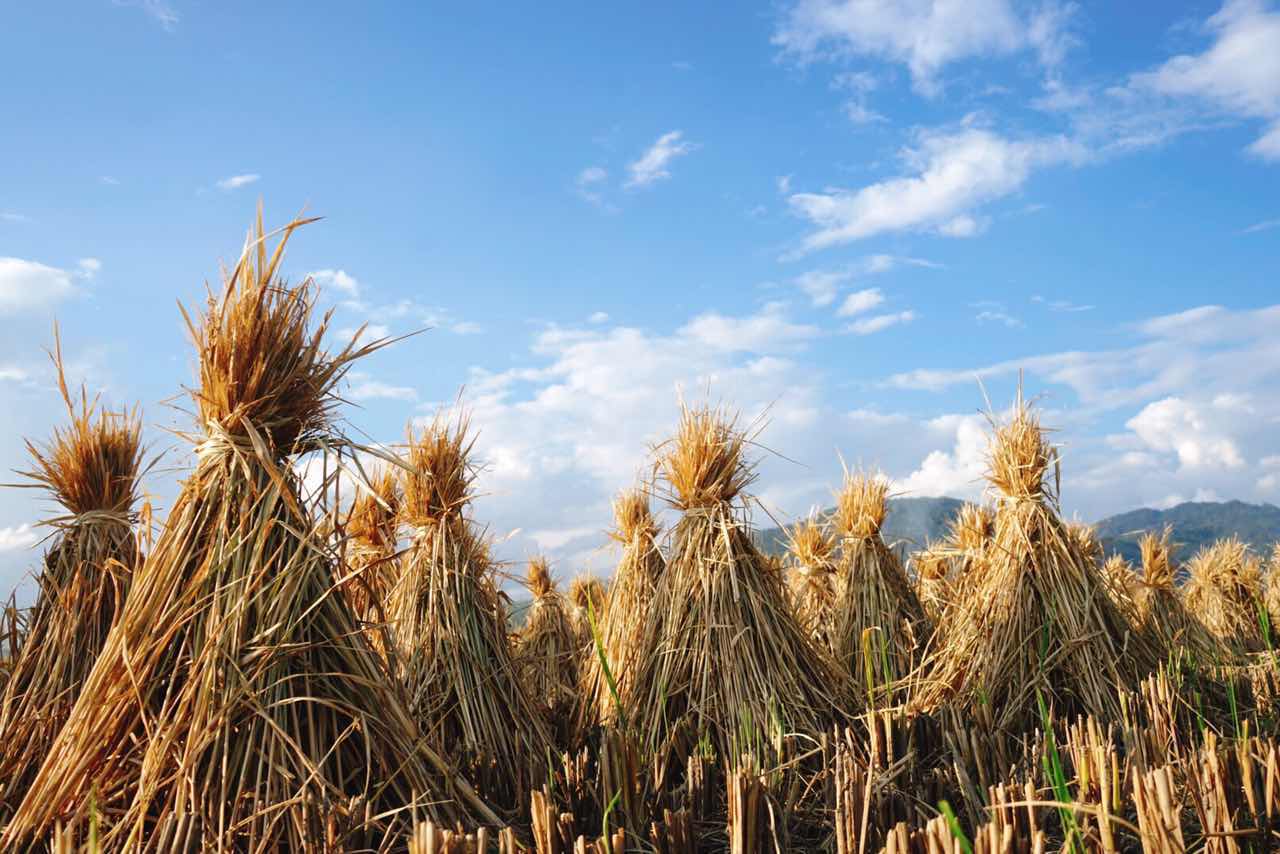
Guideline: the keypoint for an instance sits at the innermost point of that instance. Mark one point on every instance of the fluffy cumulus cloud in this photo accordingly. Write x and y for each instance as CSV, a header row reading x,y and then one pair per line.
x,y
923,35
337,280
1238,73
30,285
949,175
18,538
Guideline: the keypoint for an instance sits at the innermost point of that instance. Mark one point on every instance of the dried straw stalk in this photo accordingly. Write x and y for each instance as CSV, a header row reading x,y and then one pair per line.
x,y
236,690
1272,596
92,469
878,624
1037,620
944,569
723,659
450,629
627,608
548,653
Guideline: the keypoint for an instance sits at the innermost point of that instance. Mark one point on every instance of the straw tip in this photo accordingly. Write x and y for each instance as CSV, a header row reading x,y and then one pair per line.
x,y
862,505
704,463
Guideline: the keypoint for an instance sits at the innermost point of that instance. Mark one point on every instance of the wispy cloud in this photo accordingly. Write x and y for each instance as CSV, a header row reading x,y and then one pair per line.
x,y
953,173
1265,225
859,302
590,184
823,286
159,10
339,280
880,322
1061,305
235,182
365,387
109,181
995,315
652,165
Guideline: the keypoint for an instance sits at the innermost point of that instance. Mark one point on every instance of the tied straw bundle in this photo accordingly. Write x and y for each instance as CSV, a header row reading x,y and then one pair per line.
x,y
877,620
92,468
548,652
812,585
450,627
1176,631
1036,623
723,662
1224,589
627,609
370,548
944,568
236,700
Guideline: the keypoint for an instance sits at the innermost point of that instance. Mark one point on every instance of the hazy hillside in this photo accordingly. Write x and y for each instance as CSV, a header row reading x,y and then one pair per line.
x,y
915,521
1195,524
910,521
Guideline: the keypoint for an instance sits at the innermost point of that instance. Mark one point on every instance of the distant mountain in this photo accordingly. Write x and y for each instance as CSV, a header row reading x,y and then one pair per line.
x,y
909,523
912,522
1195,524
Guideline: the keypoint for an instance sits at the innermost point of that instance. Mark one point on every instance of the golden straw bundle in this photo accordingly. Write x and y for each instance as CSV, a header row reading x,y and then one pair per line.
x,y
1272,596
1176,631
91,468
588,595
1224,589
943,568
548,653
370,548
723,659
627,609
236,697
812,586
450,629
878,624
1037,622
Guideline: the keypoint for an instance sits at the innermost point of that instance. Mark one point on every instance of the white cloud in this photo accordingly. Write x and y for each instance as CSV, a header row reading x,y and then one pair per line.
x,y
767,329
87,268
109,181
652,165
466,327
589,184
30,285
160,11
339,280
924,35
823,286
995,315
1061,305
879,323
365,387
1238,73
1175,425
16,538
958,472
235,182
598,317
953,173
362,335
859,302
1265,225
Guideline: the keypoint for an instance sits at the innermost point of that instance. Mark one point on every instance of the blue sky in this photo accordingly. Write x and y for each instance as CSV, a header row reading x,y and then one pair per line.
x,y
844,214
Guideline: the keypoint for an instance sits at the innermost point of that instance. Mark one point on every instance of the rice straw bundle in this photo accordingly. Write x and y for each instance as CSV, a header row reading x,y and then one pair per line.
x,y
1038,620
935,573
1086,541
878,624
371,533
1174,629
630,597
92,468
548,652
1224,589
1124,587
450,629
235,694
588,595
813,578
723,657
1272,600
943,569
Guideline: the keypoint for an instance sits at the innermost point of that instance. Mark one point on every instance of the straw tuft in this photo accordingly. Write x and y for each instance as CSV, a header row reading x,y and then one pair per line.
x,y
704,464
